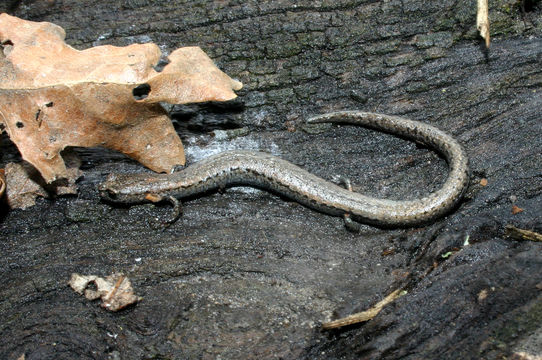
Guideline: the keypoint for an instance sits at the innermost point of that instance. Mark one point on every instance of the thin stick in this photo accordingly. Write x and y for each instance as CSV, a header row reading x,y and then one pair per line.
x,y
482,20
521,234
364,315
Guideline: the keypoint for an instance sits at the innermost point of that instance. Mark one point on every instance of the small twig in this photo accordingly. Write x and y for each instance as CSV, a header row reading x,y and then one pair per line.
x,y
521,234
364,315
2,181
482,21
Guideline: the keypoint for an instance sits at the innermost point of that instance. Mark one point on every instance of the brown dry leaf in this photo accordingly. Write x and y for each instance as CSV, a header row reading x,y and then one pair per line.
x,y
516,210
24,185
115,290
53,96
483,182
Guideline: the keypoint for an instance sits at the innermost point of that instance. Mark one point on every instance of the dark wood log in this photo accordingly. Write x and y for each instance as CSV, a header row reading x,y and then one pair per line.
x,y
245,274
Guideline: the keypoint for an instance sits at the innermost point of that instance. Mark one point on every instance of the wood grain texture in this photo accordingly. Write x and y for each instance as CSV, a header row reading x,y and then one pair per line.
x,y
248,275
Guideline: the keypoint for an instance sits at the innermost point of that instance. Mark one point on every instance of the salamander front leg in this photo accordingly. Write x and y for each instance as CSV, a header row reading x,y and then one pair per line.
x,y
177,209
177,206
349,224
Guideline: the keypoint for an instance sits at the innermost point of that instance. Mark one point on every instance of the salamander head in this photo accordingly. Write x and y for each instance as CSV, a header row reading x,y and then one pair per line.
x,y
125,188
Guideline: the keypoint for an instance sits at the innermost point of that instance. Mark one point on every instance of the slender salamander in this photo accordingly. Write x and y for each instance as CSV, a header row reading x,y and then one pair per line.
x,y
268,172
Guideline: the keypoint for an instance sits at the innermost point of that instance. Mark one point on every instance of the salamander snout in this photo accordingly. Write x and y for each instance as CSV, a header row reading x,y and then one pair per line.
x,y
106,189
107,194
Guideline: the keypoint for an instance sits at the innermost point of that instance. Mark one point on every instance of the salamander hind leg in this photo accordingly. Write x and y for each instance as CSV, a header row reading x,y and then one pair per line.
x,y
349,224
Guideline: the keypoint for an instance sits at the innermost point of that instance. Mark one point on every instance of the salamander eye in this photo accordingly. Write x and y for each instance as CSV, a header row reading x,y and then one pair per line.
x,y
111,194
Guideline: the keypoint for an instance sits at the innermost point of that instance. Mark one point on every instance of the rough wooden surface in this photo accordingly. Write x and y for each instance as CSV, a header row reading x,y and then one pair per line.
x,y
245,274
